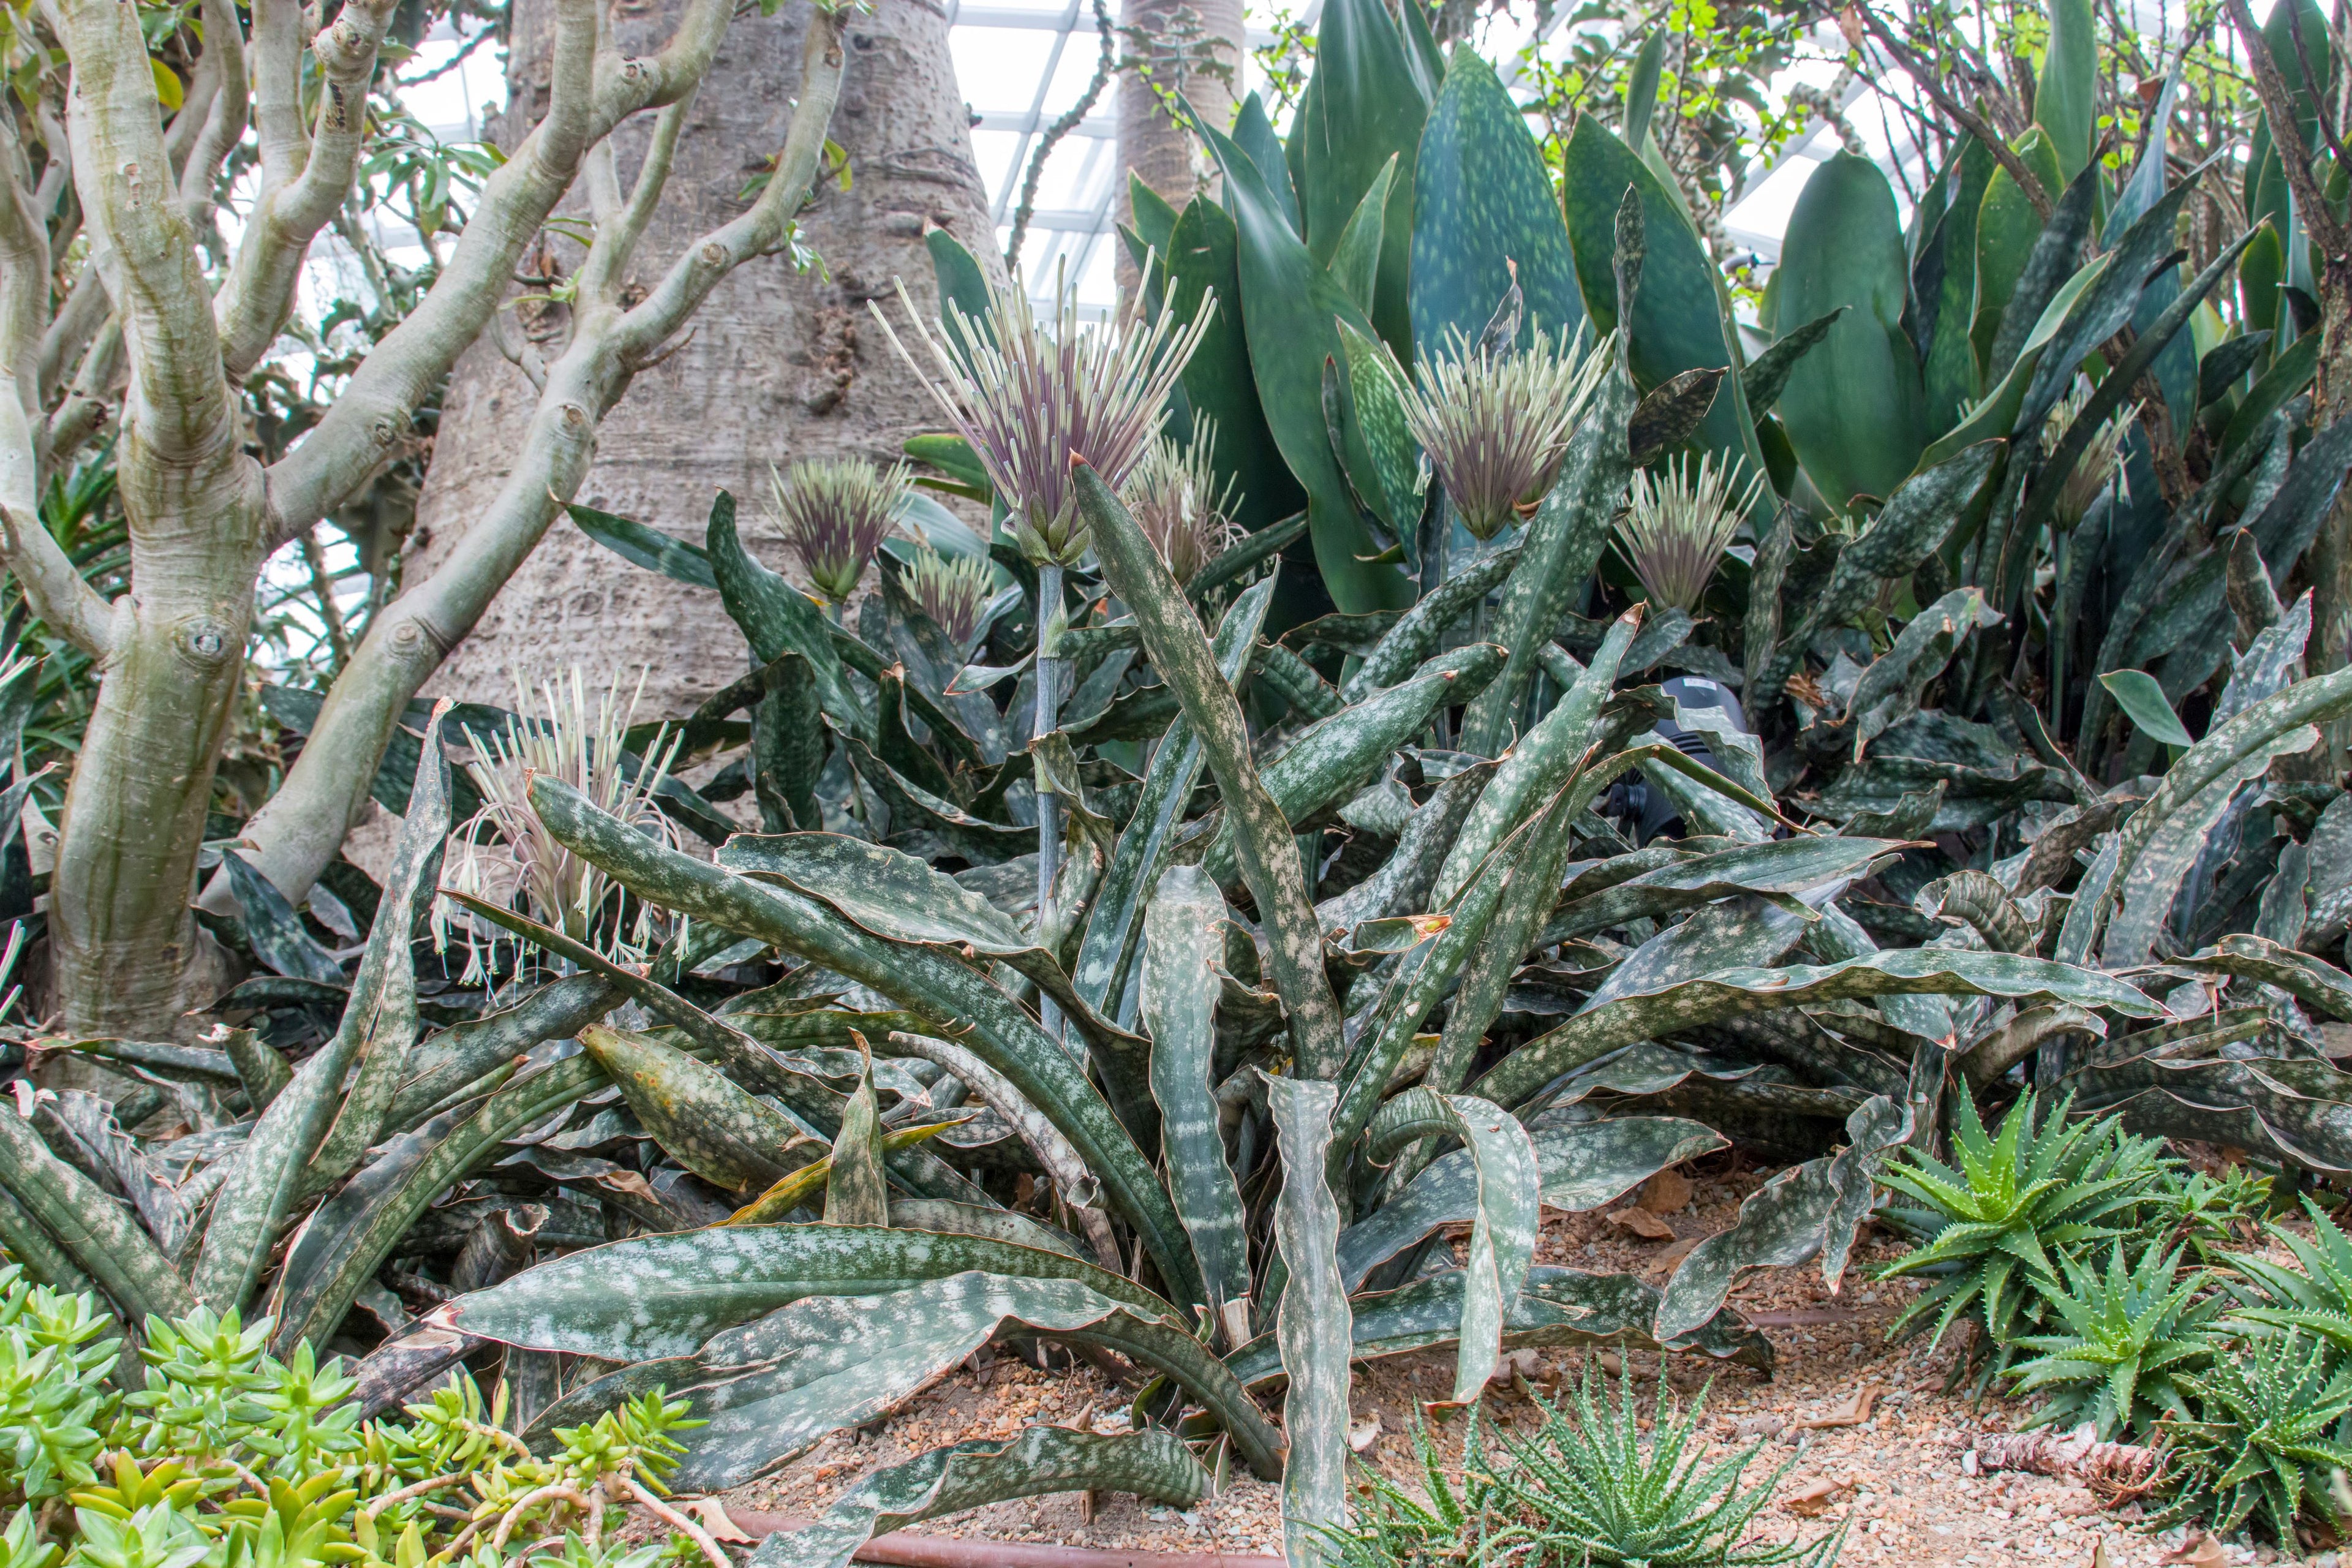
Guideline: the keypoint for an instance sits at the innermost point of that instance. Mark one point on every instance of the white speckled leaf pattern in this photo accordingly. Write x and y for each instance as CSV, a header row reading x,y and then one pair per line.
x,y
1152,1463
1182,939
1730,993
1578,1167
1784,866
1312,1325
1806,1211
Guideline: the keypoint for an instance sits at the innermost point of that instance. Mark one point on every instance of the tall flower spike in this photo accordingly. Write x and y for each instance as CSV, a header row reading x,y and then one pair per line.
x,y
1179,504
1029,394
2097,464
504,851
951,589
1680,521
834,514
1494,422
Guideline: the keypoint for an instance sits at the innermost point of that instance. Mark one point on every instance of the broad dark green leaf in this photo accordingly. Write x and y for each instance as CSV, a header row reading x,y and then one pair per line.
x,y
650,548
1367,108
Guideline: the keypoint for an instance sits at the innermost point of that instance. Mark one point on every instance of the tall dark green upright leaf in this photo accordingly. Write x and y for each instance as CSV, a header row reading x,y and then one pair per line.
x,y
1204,260
1366,109
2065,90
1952,381
1289,304
963,287
2006,226
1853,408
1254,135
1678,318
1481,199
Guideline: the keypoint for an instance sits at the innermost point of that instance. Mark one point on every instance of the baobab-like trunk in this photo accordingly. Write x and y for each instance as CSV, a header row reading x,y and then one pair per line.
x,y
1174,38
782,365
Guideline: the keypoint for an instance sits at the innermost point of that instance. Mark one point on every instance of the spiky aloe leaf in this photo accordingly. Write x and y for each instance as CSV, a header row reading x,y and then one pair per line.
x,y
2255,730
1557,1306
1312,1323
315,1130
1115,920
950,995
1807,1211
1152,1463
347,1238
91,1227
1732,993
1267,854
1182,939
1579,1167
1504,1187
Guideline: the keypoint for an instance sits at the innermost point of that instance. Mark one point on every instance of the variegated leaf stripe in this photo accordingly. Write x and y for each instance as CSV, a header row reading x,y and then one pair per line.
x,y
1265,850
1312,1325
1579,1167
1534,769
952,996
1182,939
1152,1463
1733,992
97,1232
1114,923
1781,868
286,1151
2313,701
1556,1307
1807,1211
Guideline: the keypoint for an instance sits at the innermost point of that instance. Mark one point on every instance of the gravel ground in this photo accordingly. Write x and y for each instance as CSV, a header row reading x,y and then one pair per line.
x,y
1898,1476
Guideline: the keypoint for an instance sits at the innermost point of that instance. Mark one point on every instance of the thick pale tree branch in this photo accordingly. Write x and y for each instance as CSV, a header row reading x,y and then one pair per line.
x,y
84,410
179,404
260,291
224,116
300,828
280,33
604,272
2319,220
375,408
77,322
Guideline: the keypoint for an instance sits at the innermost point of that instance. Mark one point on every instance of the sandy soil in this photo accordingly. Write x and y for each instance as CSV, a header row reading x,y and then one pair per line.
x,y
1899,1476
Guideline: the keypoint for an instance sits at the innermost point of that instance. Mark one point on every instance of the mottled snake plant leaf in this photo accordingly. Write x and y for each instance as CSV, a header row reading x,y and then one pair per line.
x,y
1115,920
1152,1463
1183,940
954,997
1312,1323
1558,1307
2255,730
1731,992
94,1229
347,1238
275,929
854,1189
774,1387
728,1138
1579,1167
317,1130
1268,853
2314,982
675,559
1505,1185
1805,1212
1768,372
1413,637
777,619
1484,217
1778,869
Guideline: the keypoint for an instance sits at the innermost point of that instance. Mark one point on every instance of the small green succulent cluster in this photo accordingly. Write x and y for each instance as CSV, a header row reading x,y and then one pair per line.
x,y
1588,1488
230,1458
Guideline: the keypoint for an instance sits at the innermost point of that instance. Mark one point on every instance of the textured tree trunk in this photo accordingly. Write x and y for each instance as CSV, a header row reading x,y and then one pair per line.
x,y
1151,144
780,365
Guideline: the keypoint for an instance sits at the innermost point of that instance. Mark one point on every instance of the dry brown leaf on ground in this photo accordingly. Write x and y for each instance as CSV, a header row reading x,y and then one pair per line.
x,y
1668,1192
712,1516
1813,1497
1853,1413
2205,1552
1363,1434
1643,1223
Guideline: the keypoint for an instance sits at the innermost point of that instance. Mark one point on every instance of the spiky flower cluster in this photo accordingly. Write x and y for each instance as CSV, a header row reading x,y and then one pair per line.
x,y
2097,464
1679,524
1177,502
1030,397
953,590
835,514
505,851
1495,421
